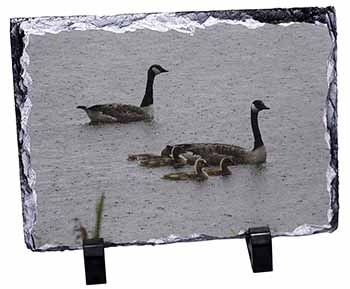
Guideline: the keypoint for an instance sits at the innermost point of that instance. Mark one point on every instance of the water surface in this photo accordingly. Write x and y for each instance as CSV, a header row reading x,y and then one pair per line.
x,y
213,77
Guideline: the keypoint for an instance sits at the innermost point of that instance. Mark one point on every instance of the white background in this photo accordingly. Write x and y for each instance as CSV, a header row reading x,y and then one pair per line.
x,y
319,261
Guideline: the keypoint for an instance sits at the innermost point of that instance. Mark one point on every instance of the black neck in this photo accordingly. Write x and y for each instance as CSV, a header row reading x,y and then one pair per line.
x,y
148,98
258,142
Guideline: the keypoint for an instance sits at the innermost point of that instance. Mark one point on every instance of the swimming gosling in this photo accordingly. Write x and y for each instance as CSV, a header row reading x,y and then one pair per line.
x,y
197,175
223,170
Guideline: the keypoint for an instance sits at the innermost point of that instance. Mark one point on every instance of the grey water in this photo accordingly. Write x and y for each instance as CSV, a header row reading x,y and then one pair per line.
x,y
213,77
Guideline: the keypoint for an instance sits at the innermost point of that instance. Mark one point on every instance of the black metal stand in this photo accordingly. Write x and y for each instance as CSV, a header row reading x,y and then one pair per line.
x,y
94,260
259,243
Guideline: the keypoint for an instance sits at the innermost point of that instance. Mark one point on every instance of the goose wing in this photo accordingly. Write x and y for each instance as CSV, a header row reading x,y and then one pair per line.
x,y
121,112
214,159
213,152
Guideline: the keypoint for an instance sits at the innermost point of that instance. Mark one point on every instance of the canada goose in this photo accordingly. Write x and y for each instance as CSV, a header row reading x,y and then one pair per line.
x,y
165,153
124,113
198,174
223,170
173,160
238,154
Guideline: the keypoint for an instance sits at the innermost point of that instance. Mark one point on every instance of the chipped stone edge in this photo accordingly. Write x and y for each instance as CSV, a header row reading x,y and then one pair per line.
x,y
187,22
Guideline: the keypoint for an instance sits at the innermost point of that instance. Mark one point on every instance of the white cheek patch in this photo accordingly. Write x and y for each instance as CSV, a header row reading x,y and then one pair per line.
x,y
155,70
149,111
253,107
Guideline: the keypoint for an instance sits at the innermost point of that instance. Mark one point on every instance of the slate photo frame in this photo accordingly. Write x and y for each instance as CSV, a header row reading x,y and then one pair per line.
x,y
23,29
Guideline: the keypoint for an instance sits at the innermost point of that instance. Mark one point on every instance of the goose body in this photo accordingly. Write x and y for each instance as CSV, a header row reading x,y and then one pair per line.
x,y
125,113
197,175
212,158
238,154
223,170
173,160
114,112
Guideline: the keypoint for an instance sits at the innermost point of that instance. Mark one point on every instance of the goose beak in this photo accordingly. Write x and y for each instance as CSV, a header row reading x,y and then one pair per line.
x,y
266,107
164,70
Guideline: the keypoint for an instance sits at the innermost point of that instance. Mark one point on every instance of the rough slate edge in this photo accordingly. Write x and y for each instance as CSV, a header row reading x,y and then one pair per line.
x,y
22,82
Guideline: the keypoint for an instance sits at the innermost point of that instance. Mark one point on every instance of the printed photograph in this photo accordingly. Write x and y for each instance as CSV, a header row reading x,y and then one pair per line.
x,y
168,128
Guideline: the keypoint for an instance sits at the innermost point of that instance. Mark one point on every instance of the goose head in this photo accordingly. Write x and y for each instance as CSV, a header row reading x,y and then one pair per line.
x,y
166,151
156,69
200,164
258,105
225,162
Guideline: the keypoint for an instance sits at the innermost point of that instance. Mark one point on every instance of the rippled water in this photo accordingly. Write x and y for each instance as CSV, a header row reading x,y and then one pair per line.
x,y
213,76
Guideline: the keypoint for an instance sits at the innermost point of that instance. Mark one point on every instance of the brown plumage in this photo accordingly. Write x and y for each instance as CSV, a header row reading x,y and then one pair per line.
x,y
124,113
238,155
173,160
223,170
212,159
165,153
197,175
114,112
